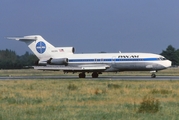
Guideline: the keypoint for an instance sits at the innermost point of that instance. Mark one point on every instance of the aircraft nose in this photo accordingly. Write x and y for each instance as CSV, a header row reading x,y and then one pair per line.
x,y
168,64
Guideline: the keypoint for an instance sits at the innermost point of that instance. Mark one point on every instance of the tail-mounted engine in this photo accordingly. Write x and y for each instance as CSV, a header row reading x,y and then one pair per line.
x,y
58,61
64,49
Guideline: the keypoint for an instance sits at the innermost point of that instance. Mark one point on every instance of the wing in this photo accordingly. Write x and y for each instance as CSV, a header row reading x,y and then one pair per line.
x,y
80,68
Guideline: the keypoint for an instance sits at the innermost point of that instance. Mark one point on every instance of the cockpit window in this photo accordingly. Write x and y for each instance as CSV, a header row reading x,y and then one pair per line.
x,y
162,58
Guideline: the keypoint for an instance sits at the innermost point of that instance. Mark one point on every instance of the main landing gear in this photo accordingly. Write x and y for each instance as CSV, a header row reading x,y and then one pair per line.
x,y
94,75
82,75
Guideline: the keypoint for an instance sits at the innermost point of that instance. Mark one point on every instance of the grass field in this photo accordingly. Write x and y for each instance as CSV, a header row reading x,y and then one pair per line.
x,y
80,99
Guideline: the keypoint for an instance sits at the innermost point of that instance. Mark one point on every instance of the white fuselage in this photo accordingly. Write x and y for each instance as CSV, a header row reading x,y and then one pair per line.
x,y
119,61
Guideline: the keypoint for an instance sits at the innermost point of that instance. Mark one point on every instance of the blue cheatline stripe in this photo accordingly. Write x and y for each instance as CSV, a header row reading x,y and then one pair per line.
x,y
109,60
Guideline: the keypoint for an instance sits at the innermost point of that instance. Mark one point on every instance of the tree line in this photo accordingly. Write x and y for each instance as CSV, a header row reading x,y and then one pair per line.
x,y
10,60
171,54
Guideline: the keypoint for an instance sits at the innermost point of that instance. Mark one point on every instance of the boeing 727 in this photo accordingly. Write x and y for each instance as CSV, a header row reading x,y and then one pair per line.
x,y
64,58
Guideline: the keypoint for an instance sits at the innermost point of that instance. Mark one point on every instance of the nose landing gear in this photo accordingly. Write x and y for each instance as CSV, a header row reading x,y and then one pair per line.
x,y
153,75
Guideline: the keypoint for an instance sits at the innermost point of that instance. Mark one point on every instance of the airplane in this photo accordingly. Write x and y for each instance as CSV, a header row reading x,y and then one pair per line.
x,y
64,58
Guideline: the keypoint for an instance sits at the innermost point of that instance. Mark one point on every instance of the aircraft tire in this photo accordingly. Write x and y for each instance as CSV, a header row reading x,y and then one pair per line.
x,y
94,75
82,75
153,75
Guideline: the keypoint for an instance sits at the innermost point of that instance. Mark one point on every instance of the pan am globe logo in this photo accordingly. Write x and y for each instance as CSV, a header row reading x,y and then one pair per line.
x,y
40,47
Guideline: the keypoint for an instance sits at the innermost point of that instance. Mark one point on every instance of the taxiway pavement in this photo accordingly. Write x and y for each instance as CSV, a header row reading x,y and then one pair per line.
x,y
89,77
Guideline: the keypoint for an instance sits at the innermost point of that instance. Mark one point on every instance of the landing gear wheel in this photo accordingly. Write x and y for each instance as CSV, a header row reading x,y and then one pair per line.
x,y
94,75
82,75
153,75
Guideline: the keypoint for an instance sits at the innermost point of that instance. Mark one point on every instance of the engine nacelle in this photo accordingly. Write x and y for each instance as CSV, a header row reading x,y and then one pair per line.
x,y
58,61
65,49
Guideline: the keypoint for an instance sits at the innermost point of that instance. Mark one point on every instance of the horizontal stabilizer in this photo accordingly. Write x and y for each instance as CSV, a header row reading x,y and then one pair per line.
x,y
23,38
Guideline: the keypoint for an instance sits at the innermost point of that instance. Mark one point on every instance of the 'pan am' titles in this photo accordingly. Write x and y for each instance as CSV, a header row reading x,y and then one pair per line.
x,y
128,56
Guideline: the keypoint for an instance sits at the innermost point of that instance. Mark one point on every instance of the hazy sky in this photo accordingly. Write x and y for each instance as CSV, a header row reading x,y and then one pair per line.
x,y
92,25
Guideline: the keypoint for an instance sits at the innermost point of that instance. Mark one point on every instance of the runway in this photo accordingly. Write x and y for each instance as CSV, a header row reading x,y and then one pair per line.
x,y
89,77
